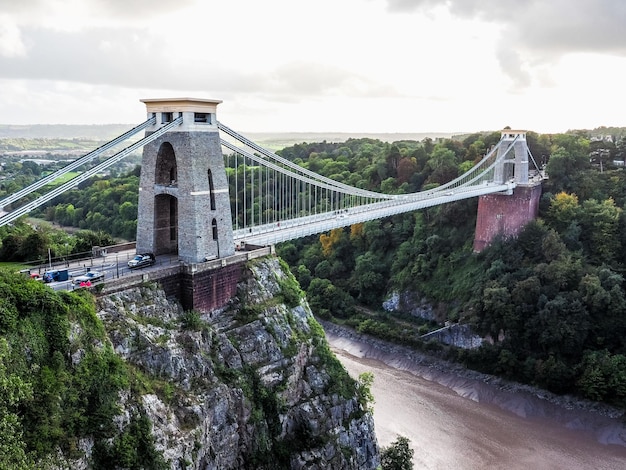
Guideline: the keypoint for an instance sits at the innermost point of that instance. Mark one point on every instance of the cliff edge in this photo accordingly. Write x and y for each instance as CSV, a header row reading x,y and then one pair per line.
x,y
254,386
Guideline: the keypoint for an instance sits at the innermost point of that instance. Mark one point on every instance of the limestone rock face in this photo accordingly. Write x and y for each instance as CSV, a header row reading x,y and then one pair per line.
x,y
410,302
251,387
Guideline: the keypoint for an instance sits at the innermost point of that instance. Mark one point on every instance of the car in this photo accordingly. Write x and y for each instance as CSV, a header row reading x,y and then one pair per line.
x,y
56,276
90,277
141,260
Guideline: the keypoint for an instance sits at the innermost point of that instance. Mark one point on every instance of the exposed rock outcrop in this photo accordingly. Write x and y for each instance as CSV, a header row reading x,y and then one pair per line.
x,y
410,302
251,387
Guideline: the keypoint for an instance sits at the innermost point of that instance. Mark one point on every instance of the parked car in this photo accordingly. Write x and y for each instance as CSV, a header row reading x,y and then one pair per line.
x,y
33,276
90,277
57,276
141,260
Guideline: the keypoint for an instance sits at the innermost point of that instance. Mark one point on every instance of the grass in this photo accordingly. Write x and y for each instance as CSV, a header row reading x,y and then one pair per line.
x,y
64,178
13,266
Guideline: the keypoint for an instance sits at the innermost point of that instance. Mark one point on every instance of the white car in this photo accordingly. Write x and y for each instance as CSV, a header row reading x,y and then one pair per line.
x,y
91,276
139,261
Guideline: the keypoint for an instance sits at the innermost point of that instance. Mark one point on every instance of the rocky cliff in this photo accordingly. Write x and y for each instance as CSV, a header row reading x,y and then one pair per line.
x,y
254,386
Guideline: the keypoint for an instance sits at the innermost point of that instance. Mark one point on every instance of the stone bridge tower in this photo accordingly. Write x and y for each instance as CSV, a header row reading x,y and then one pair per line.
x,y
184,206
507,214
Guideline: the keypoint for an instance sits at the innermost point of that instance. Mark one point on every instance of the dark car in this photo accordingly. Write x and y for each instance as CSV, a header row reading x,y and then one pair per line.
x,y
56,276
141,260
89,277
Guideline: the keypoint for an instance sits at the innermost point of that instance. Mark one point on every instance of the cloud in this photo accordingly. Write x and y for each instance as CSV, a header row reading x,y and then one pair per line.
x,y
122,57
310,79
135,58
132,8
536,32
36,10
11,44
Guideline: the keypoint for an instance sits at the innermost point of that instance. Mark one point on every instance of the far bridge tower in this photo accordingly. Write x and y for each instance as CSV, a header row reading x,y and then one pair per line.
x,y
506,215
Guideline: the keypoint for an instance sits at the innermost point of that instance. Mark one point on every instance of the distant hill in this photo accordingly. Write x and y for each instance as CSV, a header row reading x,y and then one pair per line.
x,y
278,140
63,131
273,140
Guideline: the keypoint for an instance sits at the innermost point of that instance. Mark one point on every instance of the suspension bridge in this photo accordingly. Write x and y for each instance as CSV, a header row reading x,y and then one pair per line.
x,y
192,161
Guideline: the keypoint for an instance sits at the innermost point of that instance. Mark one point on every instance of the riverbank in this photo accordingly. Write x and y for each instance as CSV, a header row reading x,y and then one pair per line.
x,y
590,421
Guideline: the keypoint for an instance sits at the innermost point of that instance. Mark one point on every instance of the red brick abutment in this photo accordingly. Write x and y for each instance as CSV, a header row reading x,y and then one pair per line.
x,y
505,215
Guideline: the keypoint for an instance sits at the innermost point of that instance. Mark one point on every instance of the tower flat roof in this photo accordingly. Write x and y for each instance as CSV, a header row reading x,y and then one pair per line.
x,y
180,104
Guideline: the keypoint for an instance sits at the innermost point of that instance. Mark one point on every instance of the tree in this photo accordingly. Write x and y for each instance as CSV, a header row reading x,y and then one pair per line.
x,y
393,160
11,246
443,164
13,391
33,247
398,456
369,278
31,167
364,390
564,165
563,209
325,299
128,211
328,241
406,168
600,224
86,239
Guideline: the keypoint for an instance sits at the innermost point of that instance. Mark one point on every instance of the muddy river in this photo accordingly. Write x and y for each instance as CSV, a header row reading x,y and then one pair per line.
x,y
458,422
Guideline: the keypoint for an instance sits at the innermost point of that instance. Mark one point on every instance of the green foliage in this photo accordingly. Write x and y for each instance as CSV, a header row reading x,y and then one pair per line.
x,y
14,392
327,300
191,320
364,390
53,392
290,291
132,449
549,299
339,382
248,312
266,409
398,456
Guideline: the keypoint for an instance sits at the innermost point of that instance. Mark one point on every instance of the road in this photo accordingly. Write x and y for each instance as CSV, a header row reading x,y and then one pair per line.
x,y
113,266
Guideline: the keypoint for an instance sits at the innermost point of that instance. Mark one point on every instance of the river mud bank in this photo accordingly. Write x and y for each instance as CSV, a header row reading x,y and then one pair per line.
x,y
473,420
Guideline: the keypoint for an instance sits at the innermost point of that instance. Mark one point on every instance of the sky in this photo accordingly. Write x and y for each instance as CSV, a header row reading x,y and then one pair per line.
x,y
379,66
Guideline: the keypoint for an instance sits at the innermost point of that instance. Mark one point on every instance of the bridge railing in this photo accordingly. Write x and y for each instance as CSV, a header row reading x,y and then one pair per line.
x,y
75,164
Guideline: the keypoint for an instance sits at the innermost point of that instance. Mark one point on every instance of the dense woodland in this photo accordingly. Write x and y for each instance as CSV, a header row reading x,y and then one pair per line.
x,y
552,300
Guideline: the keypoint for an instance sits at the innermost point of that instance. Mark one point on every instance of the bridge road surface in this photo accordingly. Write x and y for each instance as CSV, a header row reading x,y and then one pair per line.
x,y
114,265
268,234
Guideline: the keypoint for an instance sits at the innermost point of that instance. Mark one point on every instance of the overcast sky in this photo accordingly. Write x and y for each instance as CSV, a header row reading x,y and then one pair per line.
x,y
322,65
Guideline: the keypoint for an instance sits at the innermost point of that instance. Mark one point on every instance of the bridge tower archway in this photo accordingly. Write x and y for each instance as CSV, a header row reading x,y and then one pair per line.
x,y
166,171
513,161
184,204
165,224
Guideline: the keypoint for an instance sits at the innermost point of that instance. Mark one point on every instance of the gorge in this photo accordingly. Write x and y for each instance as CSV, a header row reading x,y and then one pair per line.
x,y
134,381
